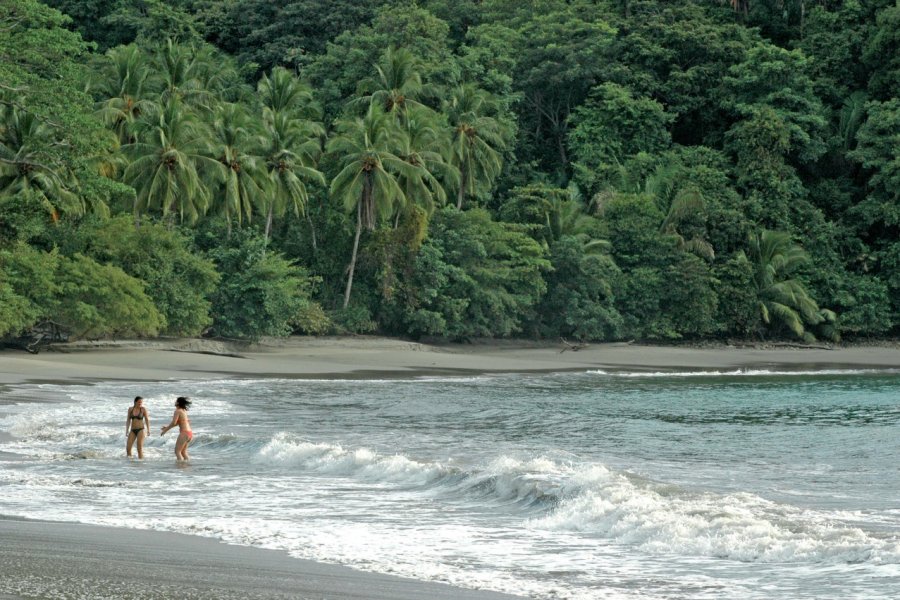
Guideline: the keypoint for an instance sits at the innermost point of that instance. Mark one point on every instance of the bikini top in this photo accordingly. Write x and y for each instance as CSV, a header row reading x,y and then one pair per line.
x,y
139,416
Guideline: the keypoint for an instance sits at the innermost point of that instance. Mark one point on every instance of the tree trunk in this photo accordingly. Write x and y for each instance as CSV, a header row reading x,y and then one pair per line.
x,y
802,16
462,189
312,232
268,224
352,266
561,142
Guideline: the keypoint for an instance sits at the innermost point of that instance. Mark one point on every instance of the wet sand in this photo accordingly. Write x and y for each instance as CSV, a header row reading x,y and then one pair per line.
x,y
68,560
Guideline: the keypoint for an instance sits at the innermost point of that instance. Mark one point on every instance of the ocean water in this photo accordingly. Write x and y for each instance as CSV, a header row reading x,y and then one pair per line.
x,y
595,485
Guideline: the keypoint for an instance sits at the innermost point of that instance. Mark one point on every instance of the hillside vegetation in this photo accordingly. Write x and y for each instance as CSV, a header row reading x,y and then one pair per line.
x,y
585,169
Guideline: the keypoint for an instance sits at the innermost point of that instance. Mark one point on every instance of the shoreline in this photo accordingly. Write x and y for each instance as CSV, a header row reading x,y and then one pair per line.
x,y
46,559
374,357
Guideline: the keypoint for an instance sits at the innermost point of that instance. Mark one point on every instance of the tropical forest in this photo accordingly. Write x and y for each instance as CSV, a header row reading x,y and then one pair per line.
x,y
591,170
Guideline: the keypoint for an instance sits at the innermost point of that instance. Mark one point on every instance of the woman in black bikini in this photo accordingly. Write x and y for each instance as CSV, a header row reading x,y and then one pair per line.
x,y
137,424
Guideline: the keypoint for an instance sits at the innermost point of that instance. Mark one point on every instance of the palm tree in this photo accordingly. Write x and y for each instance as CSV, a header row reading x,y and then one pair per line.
x,y
186,75
852,117
25,168
476,139
167,161
397,85
292,147
367,182
568,216
282,93
293,144
214,74
686,203
124,85
681,200
424,147
243,179
775,258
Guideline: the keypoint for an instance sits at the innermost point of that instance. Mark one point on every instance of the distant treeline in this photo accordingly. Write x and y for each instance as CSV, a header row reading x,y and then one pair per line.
x,y
586,169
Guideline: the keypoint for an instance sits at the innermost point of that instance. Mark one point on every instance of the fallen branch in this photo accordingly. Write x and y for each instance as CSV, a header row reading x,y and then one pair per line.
x,y
570,346
804,346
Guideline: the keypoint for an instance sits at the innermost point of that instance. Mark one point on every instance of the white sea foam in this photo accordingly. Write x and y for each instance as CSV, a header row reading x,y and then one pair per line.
x,y
744,527
333,459
592,498
742,373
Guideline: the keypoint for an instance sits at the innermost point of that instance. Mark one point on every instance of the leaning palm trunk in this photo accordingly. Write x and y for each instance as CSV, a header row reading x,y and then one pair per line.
x,y
352,267
269,223
312,231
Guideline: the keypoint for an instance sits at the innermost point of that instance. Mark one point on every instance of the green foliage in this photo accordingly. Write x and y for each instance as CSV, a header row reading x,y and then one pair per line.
x,y
834,41
580,299
261,293
49,138
772,84
554,213
738,311
367,182
269,33
87,299
292,144
890,266
611,127
102,300
28,283
631,149
864,306
23,218
178,281
878,149
110,23
559,57
166,161
150,21
632,225
352,56
882,54
243,177
678,53
667,292
477,140
474,277
783,299
16,313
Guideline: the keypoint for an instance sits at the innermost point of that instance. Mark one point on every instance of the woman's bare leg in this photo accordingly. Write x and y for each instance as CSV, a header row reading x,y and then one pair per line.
x,y
130,443
181,445
140,443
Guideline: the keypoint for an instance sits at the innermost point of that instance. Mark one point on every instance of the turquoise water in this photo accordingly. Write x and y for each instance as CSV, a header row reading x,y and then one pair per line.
x,y
589,485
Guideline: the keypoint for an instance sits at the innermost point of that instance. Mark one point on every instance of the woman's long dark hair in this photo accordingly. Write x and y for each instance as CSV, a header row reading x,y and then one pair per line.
x,y
182,402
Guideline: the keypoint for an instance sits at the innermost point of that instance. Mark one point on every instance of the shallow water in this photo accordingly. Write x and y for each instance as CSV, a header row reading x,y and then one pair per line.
x,y
749,484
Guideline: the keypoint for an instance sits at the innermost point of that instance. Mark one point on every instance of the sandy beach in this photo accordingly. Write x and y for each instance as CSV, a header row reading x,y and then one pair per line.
x,y
363,357
38,558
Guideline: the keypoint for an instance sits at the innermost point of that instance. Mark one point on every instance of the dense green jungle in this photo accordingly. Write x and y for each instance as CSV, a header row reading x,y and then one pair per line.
x,y
454,169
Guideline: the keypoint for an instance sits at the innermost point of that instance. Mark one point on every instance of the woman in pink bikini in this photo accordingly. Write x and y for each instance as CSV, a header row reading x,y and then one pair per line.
x,y
185,435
